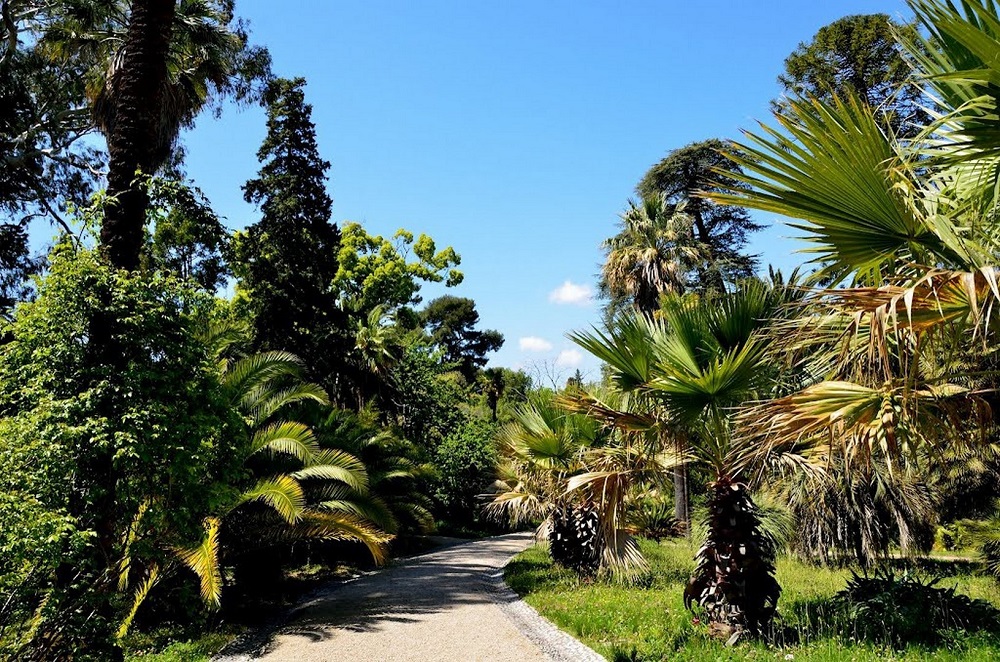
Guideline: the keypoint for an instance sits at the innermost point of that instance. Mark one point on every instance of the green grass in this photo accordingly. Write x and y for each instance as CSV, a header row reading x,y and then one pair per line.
x,y
174,646
649,622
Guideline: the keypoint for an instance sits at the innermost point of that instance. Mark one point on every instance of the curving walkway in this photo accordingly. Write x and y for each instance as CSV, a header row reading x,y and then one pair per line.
x,y
447,605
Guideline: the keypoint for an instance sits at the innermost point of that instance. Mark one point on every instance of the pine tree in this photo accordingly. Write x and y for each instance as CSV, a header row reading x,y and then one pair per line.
x,y
286,261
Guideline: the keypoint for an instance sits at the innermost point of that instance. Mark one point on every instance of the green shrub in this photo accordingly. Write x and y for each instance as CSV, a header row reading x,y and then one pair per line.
x,y
466,464
115,443
902,609
653,519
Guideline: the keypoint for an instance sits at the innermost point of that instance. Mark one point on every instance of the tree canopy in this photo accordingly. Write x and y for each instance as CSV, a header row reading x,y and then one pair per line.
x,y
858,56
451,322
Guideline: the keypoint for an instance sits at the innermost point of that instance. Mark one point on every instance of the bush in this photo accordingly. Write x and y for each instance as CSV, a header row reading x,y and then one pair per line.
x,y
466,464
653,519
901,609
115,442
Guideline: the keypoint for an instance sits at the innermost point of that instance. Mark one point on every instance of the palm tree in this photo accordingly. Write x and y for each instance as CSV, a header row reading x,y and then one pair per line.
x,y
395,497
154,64
651,255
703,358
288,467
911,228
542,449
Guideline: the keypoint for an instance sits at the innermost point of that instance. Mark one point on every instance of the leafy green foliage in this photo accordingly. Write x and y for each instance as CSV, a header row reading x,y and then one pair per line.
x,y
426,403
466,463
375,271
451,322
858,56
188,238
150,432
395,497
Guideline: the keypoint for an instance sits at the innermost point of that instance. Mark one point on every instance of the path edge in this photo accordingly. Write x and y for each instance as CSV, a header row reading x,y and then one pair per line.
x,y
556,644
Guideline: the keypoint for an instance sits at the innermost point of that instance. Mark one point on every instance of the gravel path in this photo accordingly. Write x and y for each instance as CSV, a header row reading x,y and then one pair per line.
x,y
449,605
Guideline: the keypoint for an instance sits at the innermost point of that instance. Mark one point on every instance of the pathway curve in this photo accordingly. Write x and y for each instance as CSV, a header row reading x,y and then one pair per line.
x,y
447,605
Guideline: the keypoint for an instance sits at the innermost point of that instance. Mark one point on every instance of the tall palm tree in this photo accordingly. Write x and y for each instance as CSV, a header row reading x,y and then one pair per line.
x,y
701,360
651,255
154,64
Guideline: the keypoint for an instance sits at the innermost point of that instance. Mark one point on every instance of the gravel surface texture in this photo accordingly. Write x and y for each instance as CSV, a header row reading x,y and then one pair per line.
x,y
451,604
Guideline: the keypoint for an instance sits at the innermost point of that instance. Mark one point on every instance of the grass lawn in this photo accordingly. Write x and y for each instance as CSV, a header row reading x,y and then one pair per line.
x,y
650,622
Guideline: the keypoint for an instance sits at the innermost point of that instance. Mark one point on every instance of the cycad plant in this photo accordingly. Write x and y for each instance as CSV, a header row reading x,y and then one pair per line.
x,y
691,367
395,498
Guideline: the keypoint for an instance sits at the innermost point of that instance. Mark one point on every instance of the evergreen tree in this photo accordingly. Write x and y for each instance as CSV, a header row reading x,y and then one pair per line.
x,y
718,233
860,56
451,322
286,262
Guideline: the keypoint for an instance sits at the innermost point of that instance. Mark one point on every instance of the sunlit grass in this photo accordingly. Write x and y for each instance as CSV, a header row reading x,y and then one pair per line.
x,y
649,622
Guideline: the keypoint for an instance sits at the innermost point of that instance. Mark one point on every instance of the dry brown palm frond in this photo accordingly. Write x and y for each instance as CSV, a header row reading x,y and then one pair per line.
x,y
580,402
892,421
608,490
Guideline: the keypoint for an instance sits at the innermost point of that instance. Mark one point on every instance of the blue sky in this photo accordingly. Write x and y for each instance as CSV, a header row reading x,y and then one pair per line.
x,y
513,131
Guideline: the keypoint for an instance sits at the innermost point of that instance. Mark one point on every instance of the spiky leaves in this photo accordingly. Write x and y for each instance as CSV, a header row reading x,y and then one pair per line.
x,y
203,561
686,373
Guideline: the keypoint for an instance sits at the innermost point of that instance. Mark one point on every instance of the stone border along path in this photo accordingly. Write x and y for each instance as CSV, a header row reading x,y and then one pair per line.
x,y
449,605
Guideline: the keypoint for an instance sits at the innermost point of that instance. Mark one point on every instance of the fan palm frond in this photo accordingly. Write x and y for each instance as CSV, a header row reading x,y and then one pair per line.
x,y
832,167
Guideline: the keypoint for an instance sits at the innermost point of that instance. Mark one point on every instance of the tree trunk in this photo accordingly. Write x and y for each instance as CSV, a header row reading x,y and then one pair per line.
x,y
734,578
87,594
681,507
135,133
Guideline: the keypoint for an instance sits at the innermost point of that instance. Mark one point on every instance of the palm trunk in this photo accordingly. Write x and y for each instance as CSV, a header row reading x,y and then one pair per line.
x,y
681,507
734,578
88,591
134,132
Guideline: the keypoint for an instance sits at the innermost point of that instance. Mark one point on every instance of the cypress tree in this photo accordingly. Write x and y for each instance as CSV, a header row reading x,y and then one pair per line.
x,y
286,261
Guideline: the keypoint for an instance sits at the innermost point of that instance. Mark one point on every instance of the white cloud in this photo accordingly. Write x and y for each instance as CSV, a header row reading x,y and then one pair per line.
x,y
569,358
570,292
534,344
